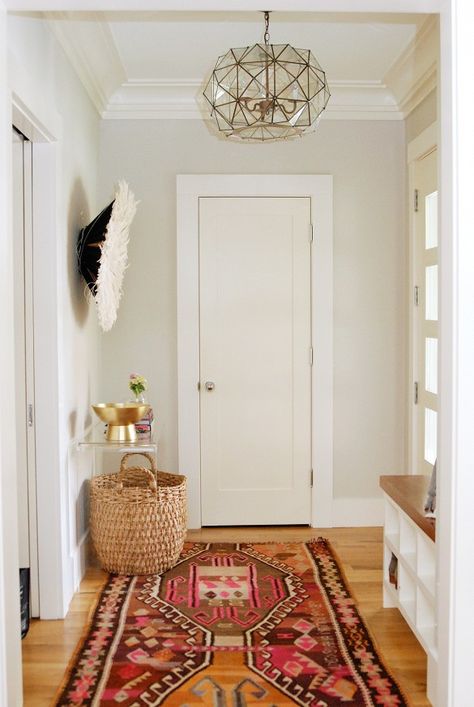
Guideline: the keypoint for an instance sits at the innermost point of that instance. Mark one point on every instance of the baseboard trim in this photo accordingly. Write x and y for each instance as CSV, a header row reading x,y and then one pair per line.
x,y
80,558
357,512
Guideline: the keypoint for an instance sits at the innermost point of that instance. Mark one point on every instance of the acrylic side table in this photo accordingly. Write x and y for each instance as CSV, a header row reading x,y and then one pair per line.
x,y
95,441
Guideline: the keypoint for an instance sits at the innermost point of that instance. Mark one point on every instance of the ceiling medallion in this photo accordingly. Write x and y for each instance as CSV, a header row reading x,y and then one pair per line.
x,y
266,91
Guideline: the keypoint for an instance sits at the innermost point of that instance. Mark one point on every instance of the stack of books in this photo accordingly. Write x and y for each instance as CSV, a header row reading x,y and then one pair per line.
x,y
144,426
393,571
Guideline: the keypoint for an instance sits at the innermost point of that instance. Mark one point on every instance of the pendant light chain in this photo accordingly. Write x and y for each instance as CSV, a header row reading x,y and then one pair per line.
x,y
266,35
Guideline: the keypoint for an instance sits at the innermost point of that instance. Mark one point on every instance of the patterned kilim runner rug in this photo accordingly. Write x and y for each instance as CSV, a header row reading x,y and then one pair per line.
x,y
232,625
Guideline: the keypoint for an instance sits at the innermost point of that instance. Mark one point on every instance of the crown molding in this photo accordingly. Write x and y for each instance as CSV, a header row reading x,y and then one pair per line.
x,y
162,99
159,99
91,50
414,73
361,100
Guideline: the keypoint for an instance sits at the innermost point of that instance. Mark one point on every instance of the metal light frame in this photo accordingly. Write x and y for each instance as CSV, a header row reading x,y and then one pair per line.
x,y
266,91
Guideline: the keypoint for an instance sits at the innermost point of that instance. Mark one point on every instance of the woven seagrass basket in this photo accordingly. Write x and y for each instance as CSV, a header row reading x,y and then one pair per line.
x,y
138,518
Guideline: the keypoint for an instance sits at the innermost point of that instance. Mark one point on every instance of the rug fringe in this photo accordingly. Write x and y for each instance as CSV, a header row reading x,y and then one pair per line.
x,y
80,641
376,643
278,541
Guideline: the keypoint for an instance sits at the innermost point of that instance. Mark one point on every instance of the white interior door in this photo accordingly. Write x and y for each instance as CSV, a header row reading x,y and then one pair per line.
x,y
255,349
426,313
24,360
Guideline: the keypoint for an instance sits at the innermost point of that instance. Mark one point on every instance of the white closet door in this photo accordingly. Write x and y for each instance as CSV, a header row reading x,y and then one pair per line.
x,y
24,360
426,339
18,193
255,337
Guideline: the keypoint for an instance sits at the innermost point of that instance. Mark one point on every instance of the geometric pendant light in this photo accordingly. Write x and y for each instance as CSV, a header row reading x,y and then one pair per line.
x,y
266,91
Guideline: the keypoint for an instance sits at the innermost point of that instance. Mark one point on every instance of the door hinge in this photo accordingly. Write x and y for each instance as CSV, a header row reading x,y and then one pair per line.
x,y
311,356
311,232
29,415
416,296
415,392
312,477
415,200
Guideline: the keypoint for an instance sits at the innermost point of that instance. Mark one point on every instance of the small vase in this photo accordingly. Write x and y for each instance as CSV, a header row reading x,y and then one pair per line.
x,y
139,399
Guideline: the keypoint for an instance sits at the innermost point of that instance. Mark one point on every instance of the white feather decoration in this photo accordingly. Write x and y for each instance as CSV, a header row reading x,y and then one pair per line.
x,y
114,258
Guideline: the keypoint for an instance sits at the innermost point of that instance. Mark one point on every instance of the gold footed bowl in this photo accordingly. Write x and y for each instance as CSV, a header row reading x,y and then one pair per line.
x,y
120,419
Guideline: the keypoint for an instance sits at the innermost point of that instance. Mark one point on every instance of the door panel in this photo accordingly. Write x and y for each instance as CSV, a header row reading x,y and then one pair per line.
x,y
254,345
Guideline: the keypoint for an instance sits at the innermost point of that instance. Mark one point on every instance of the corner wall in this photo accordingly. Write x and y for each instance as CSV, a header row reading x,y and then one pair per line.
x,y
44,84
367,159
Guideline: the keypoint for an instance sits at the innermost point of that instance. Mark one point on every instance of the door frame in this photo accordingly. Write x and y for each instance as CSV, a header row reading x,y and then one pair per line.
x,y
416,150
50,528
190,188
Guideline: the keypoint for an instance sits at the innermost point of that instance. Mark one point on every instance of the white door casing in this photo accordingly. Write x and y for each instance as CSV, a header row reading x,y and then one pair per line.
x,y
318,188
51,513
255,338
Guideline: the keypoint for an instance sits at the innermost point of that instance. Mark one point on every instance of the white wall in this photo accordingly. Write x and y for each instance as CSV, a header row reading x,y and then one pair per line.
x,y
422,116
44,84
10,650
367,161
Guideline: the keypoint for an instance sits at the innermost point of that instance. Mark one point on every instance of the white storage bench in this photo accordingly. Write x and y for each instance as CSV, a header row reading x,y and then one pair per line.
x,y
409,566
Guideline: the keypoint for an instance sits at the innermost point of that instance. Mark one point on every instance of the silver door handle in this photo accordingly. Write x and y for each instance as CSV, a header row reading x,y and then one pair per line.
x,y
210,385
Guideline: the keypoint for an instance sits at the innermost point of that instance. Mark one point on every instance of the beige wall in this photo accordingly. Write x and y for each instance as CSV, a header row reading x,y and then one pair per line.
x,y
367,161
424,115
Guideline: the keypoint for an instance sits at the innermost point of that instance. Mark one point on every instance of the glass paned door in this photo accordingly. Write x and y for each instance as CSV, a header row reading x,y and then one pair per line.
x,y
426,314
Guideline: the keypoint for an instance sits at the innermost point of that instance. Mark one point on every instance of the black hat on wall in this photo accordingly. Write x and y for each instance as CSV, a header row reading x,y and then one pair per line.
x,y
89,244
102,253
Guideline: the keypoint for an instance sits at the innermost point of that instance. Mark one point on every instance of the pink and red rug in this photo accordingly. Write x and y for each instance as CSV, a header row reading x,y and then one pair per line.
x,y
232,625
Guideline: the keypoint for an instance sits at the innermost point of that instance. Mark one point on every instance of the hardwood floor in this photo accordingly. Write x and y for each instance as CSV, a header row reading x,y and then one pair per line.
x,y
49,645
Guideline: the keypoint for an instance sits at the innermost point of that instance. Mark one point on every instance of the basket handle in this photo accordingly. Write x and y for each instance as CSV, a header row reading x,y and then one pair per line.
x,y
150,477
142,454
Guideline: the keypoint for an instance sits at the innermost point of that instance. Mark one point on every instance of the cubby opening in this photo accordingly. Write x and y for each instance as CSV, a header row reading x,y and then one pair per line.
x,y
426,564
392,525
407,593
408,542
425,619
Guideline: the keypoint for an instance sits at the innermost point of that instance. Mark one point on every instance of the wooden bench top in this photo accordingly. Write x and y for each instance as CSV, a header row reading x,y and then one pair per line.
x,y
409,492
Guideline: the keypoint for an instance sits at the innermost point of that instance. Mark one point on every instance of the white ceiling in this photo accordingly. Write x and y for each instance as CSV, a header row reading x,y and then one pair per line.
x,y
175,48
153,64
